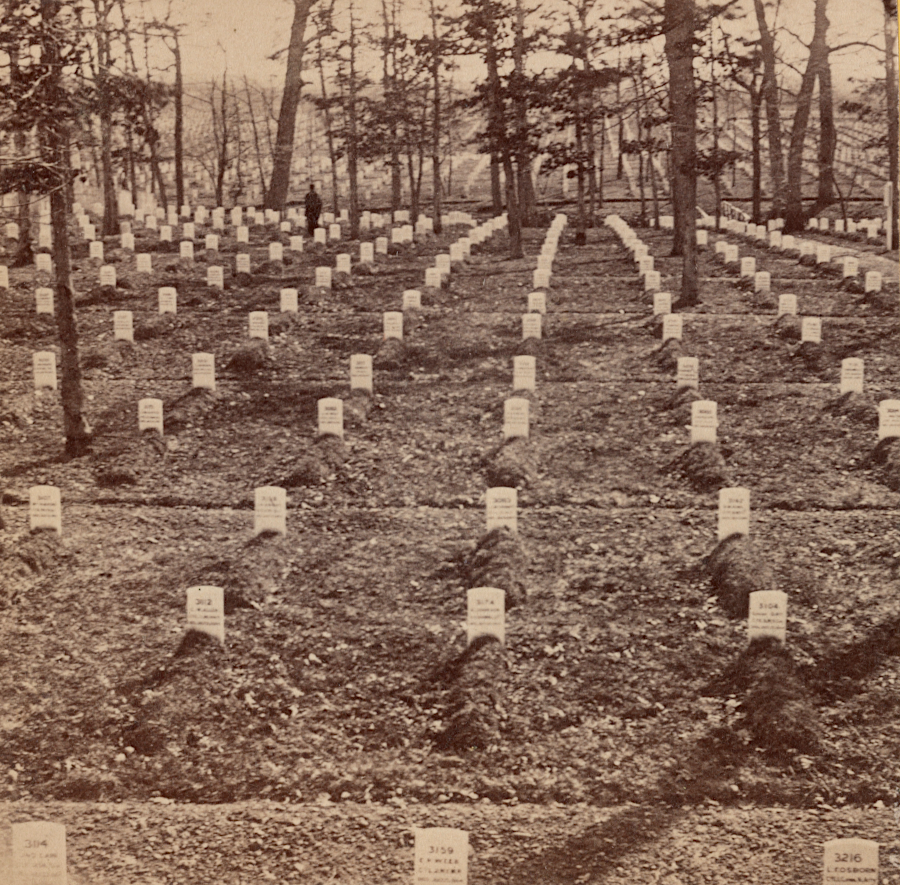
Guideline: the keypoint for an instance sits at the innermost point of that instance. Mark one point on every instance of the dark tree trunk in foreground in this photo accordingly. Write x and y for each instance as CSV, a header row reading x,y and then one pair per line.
x,y
890,58
55,145
276,195
680,23
827,139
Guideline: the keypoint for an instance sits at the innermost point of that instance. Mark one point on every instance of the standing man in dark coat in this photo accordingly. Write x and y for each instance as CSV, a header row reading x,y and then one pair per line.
x,y
313,205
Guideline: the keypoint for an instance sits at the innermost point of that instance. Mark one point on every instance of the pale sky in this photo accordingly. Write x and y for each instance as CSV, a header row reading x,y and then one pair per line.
x,y
243,34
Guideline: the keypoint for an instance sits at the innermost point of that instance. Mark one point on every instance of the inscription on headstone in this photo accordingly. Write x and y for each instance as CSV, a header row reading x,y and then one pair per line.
x,y
787,304
849,861
537,302
269,510
43,298
888,418
203,370
811,330
515,417
662,303
392,324
441,856
331,416
288,300
361,372
259,324
501,505
734,512
688,372
412,299
524,373
44,367
768,615
123,325
107,275
150,414
206,611
323,277
168,298
39,853
531,325
852,375
704,421
485,613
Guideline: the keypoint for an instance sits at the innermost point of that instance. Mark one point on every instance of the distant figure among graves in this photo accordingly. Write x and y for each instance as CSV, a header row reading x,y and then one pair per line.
x,y
313,205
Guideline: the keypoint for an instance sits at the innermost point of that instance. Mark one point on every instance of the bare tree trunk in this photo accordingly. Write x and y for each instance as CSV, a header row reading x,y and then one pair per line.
x,y
276,197
581,220
680,25
818,53
827,138
436,121
55,138
110,201
756,151
352,146
773,110
24,255
179,121
496,194
258,150
890,63
525,189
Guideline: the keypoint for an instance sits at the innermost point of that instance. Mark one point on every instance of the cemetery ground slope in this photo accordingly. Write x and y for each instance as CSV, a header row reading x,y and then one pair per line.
x,y
622,735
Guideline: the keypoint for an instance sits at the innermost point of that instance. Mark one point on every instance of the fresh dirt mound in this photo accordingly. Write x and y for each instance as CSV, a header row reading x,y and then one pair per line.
x,y
787,326
887,456
738,569
513,464
250,358
475,706
391,355
814,355
858,407
703,466
188,409
322,460
24,560
141,455
499,560
357,408
156,327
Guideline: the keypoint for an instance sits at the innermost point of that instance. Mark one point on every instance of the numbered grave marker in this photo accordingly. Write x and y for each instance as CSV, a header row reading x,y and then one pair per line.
x,y
537,302
501,505
259,324
150,414
211,242
688,372
242,262
652,281
123,325
107,275
787,304
165,234
215,277
485,613
296,244
44,508
366,253
873,281
242,234
851,266
269,510
823,253
811,330
432,278
540,279
276,252
288,300
441,856
734,512
203,370
704,421
672,326
852,372
320,235
95,249
849,861
186,250
168,298
768,615
43,298
412,299
662,303
188,232
392,324
331,416
730,254
888,418
44,367
531,325
323,277
515,417
762,281
748,266
206,611
524,371
361,372
342,263
39,853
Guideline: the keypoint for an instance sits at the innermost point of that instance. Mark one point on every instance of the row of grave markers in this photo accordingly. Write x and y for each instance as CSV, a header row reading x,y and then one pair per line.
x,y
440,856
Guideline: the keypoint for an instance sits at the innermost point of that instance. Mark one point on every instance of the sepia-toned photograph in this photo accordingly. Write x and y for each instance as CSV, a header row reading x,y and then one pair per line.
x,y
449,442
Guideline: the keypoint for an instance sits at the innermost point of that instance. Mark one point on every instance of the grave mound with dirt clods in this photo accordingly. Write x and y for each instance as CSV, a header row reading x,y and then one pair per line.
x,y
737,569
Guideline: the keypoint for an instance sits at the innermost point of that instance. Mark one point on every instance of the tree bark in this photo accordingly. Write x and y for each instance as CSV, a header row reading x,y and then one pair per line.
x,y
827,138
680,25
56,144
890,62
773,110
276,196
352,146
436,122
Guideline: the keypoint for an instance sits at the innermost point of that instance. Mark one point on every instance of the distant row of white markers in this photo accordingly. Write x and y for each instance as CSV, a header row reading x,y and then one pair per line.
x,y
441,857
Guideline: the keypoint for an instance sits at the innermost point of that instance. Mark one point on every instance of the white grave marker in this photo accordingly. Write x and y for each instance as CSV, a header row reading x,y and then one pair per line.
x,y
320,235
811,330
186,249
787,304
95,249
107,275
662,303
441,856
323,277
381,245
672,326
849,861
366,253
206,611
259,324
168,299
851,266
276,252
39,853
852,370
361,372
334,231
537,302
243,234
704,421
888,418
540,279
730,255
288,300
342,263
734,512
165,234
242,262
44,366
44,508
688,372
211,242
4,276
531,325
412,299
748,266
188,232
269,510
768,615
331,416
524,373
652,281
43,298
873,281
203,370
215,277
150,414
823,253
432,278
485,613
762,281
296,244
393,324
501,505
123,325
515,417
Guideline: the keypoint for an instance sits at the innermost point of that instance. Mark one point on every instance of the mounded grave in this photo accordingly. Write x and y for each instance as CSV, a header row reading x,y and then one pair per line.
x,y
738,568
